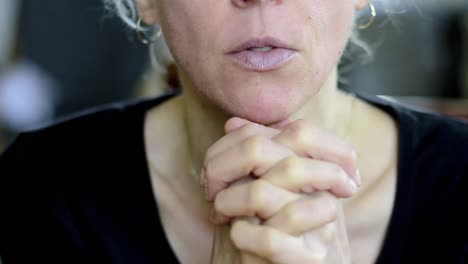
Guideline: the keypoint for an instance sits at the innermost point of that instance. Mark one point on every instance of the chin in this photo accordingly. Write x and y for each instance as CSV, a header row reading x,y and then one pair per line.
x,y
267,118
265,107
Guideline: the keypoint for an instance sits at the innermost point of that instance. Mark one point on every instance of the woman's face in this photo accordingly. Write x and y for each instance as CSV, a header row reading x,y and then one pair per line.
x,y
257,59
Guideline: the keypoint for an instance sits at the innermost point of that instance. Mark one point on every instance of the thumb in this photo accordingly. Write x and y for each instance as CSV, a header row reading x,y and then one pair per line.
x,y
281,124
235,123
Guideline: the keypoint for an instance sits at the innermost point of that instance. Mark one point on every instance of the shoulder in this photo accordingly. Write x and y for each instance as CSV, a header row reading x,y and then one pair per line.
x,y
432,158
85,130
422,132
62,138
432,153
432,172
79,149
434,137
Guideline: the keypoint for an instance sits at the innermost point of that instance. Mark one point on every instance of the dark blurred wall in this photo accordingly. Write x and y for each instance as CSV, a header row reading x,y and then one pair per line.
x,y
90,54
418,52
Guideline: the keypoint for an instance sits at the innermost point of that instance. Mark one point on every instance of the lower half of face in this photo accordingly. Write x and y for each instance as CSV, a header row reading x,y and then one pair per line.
x,y
260,61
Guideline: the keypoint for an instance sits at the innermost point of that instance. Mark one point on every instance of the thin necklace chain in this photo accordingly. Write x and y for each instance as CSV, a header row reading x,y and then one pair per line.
x,y
195,173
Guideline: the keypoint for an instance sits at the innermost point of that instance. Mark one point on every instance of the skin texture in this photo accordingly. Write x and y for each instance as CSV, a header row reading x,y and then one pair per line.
x,y
273,127
296,207
199,33
185,213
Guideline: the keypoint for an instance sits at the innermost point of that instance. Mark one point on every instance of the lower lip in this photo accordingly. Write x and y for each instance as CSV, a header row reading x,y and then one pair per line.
x,y
263,61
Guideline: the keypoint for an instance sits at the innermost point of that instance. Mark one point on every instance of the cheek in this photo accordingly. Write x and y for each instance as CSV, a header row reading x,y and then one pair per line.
x,y
336,24
191,33
327,26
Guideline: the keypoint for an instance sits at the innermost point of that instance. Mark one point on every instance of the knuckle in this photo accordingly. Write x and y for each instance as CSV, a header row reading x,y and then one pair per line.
x,y
323,208
330,212
349,154
236,232
329,208
210,152
208,169
218,205
290,166
300,130
292,217
338,172
248,130
317,258
253,147
328,232
299,125
323,197
257,197
269,243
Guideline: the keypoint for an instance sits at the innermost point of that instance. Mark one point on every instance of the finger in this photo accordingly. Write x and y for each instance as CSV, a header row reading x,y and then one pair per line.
x,y
306,175
305,214
247,257
252,259
272,244
340,235
239,130
253,156
306,140
256,198
237,122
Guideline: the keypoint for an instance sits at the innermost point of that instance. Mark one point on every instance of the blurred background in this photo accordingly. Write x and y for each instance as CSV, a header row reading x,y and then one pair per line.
x,y
61,56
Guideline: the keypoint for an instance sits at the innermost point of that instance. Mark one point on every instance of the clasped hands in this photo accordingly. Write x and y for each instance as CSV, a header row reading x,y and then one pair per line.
x,y
279,189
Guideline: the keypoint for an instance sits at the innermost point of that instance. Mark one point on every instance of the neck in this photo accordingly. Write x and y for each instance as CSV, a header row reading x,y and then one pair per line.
x,y
327,109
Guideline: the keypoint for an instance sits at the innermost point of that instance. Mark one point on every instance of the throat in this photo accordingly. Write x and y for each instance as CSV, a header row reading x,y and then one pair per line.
x,y
184,215
183,211
368,212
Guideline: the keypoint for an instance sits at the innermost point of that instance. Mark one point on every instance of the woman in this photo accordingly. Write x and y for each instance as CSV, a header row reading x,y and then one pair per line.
x,y
295,170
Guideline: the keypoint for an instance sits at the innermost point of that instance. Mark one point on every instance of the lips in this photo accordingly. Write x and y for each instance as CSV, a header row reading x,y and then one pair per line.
x,y
262,54
261,42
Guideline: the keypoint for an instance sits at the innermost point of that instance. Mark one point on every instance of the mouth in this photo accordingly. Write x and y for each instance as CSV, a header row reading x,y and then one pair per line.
x,y
262,54
262,45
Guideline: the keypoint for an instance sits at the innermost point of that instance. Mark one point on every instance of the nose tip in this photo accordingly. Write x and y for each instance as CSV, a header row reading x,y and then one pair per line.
x,y
247,3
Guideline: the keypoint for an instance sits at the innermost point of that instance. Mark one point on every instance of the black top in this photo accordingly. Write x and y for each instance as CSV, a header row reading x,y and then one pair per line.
x,y
79,191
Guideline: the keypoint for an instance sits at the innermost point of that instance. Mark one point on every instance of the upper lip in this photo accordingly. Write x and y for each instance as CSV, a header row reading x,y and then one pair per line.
x,y
261,42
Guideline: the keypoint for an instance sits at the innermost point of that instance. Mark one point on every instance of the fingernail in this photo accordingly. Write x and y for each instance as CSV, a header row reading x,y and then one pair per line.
x,y
352,185
358,178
